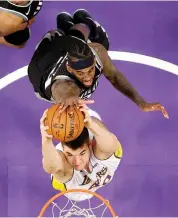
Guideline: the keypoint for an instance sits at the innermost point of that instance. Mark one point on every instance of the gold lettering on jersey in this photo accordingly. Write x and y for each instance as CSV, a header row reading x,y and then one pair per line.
x,y
99,175
107,180
102,172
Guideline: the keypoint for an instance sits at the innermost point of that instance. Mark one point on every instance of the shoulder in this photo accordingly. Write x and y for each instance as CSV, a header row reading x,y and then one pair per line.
x,y
100,49
101,52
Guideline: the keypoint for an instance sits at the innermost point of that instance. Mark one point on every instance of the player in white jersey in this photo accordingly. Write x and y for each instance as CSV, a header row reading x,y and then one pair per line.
x,y
68,62
88,162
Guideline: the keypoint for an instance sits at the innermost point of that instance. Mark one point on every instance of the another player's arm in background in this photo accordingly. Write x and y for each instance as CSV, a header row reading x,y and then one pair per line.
x,y
117,79
10,23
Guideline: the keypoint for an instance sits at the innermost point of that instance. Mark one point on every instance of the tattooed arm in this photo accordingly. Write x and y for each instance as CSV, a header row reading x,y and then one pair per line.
x,y
119,81
116,78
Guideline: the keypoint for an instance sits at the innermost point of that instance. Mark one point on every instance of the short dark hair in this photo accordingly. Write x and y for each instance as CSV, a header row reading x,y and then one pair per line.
x,y
82,139
80,51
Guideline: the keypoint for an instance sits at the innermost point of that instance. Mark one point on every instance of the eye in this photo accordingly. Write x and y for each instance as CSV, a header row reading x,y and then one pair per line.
x,y
79,73
69,155
82,153
91,70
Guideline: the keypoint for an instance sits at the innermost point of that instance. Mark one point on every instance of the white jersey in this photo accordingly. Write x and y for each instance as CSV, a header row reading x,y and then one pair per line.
x,y
102,172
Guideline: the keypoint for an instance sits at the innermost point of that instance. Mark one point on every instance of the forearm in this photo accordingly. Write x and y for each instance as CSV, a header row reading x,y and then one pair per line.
x,y
117,79
51,159
106,140
64,89
120,82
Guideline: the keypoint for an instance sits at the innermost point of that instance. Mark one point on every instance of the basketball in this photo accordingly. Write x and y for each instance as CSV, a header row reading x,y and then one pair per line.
x,y
65,126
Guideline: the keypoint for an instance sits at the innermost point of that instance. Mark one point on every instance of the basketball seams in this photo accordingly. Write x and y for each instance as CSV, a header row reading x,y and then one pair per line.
x,y
78,120
52,121
65,125
62,126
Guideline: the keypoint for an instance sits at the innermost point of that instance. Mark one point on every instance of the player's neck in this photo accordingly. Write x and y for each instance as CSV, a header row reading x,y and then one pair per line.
x,y
87,168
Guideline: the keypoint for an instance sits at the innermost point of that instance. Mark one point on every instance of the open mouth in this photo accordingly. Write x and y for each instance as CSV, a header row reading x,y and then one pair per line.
x,y
88,83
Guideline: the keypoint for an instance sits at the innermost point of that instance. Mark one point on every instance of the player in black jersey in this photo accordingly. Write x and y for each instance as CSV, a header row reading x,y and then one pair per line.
x,y
68,63
15,18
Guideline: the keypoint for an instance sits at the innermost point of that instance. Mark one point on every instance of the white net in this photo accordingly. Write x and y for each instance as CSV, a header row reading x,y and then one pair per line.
x,y
63,207
72,209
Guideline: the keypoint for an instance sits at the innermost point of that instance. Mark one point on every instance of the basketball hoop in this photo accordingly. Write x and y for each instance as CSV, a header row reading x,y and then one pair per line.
x,y
53,208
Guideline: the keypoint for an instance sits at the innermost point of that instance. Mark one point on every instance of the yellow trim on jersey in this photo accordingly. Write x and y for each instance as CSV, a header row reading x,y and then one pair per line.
x,y
57,185
118,153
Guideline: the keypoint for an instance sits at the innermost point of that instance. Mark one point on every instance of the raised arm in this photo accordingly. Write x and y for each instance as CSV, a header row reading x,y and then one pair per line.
x,y
54,161
116,78
106,142
119,81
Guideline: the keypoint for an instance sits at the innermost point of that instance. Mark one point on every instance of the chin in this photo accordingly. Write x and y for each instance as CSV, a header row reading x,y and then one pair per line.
x,y
78,168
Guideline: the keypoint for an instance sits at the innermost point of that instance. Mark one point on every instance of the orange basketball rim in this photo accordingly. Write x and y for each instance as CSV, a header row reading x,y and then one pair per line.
x,y
61,194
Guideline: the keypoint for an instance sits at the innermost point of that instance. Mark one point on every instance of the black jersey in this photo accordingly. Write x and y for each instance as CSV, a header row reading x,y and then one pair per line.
x,y
27,12
62,73
49,64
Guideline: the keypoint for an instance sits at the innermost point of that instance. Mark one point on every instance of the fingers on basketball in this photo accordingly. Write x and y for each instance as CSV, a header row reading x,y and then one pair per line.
x,y
65,126
44,117
85,112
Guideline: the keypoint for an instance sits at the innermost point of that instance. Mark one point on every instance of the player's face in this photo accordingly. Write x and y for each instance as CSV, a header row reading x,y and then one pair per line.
x,y
78,158
85,75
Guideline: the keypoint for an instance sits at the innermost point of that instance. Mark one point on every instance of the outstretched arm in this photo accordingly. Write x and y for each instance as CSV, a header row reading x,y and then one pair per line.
x,y
119,81
116,78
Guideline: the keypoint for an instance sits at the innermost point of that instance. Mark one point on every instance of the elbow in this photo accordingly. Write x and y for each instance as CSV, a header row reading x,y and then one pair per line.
x,y
49,168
